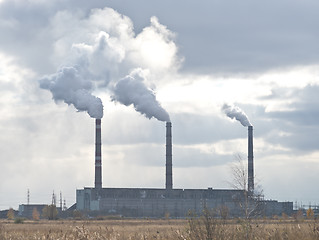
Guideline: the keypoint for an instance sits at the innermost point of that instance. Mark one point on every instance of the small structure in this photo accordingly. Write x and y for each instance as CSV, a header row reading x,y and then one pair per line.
x,y
26,210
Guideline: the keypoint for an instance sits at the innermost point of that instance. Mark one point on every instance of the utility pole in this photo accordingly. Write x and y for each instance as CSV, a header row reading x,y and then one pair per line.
x,y
28,197
61,200
64,205
53,199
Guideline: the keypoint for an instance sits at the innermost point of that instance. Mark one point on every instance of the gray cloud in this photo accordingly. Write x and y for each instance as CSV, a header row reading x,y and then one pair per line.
x,y
295,127
238,37
197,129
215,37
302,107
225,38
189,157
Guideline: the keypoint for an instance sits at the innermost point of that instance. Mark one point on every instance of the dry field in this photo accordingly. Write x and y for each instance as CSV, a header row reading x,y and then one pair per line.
x,y
160,229
100,229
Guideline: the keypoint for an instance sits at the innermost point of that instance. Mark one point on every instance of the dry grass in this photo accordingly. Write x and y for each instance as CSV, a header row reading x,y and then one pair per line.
x,y
159,229
253,229
106,229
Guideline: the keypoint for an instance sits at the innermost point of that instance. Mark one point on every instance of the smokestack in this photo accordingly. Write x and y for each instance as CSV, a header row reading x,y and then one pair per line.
x,y
98,155
250,160
169,180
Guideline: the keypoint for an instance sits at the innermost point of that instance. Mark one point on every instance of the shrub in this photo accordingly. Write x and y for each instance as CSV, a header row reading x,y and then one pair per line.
x,y
35,215
19,220
10,214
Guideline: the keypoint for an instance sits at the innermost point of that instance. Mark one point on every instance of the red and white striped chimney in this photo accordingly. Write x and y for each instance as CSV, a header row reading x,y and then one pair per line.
x,y
98,155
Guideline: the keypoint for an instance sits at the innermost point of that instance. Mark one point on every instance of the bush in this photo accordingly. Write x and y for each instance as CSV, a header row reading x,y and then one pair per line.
x,y
35,214
50,212
10,214
19,220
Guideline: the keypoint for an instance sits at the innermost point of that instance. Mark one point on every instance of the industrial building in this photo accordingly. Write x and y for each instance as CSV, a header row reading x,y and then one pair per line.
x,y
26,210
155,202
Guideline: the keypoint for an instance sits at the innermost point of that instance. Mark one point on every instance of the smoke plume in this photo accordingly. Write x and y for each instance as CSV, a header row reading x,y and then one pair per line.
x,y
100,49
68,85
235,112
132,90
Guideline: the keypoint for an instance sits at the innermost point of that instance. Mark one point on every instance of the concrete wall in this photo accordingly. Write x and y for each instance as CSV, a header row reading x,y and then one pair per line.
x,y
146,202
26,210
272,207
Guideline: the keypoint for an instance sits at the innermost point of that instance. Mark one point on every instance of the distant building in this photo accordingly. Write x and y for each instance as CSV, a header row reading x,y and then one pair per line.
x,y
26,210
273,207
4,213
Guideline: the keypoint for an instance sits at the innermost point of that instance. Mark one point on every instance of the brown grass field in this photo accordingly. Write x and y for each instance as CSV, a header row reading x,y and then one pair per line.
x,y
160,229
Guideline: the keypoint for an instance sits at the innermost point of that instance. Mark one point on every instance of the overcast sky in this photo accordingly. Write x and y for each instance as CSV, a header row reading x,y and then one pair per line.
x,y
151,60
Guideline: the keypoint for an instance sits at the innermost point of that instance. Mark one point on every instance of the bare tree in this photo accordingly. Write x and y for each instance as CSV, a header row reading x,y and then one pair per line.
x,y
249,202
223,212
239,174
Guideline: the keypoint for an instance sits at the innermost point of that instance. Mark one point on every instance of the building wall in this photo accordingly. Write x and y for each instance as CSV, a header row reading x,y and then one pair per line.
x,y
146,202
26,210
272,208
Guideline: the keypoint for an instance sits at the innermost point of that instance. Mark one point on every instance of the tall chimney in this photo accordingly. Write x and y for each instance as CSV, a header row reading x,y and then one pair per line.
x,y
98,155
169,180
250,160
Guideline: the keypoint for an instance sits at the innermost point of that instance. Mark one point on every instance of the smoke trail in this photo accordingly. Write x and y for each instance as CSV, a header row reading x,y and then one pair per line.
x,y
68,85
100,49
132,90
237,113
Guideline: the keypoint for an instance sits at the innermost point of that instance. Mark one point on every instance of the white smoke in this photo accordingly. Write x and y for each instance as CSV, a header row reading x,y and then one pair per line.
x,y
132,90
99,50
68,85
235,112
106,42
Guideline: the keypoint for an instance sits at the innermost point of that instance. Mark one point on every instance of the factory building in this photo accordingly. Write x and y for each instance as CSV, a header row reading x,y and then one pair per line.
x,y
156,202
148,202
26,210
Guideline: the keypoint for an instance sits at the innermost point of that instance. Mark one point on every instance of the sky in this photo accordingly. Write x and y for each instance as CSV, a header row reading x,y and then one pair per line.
x,y
139,64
